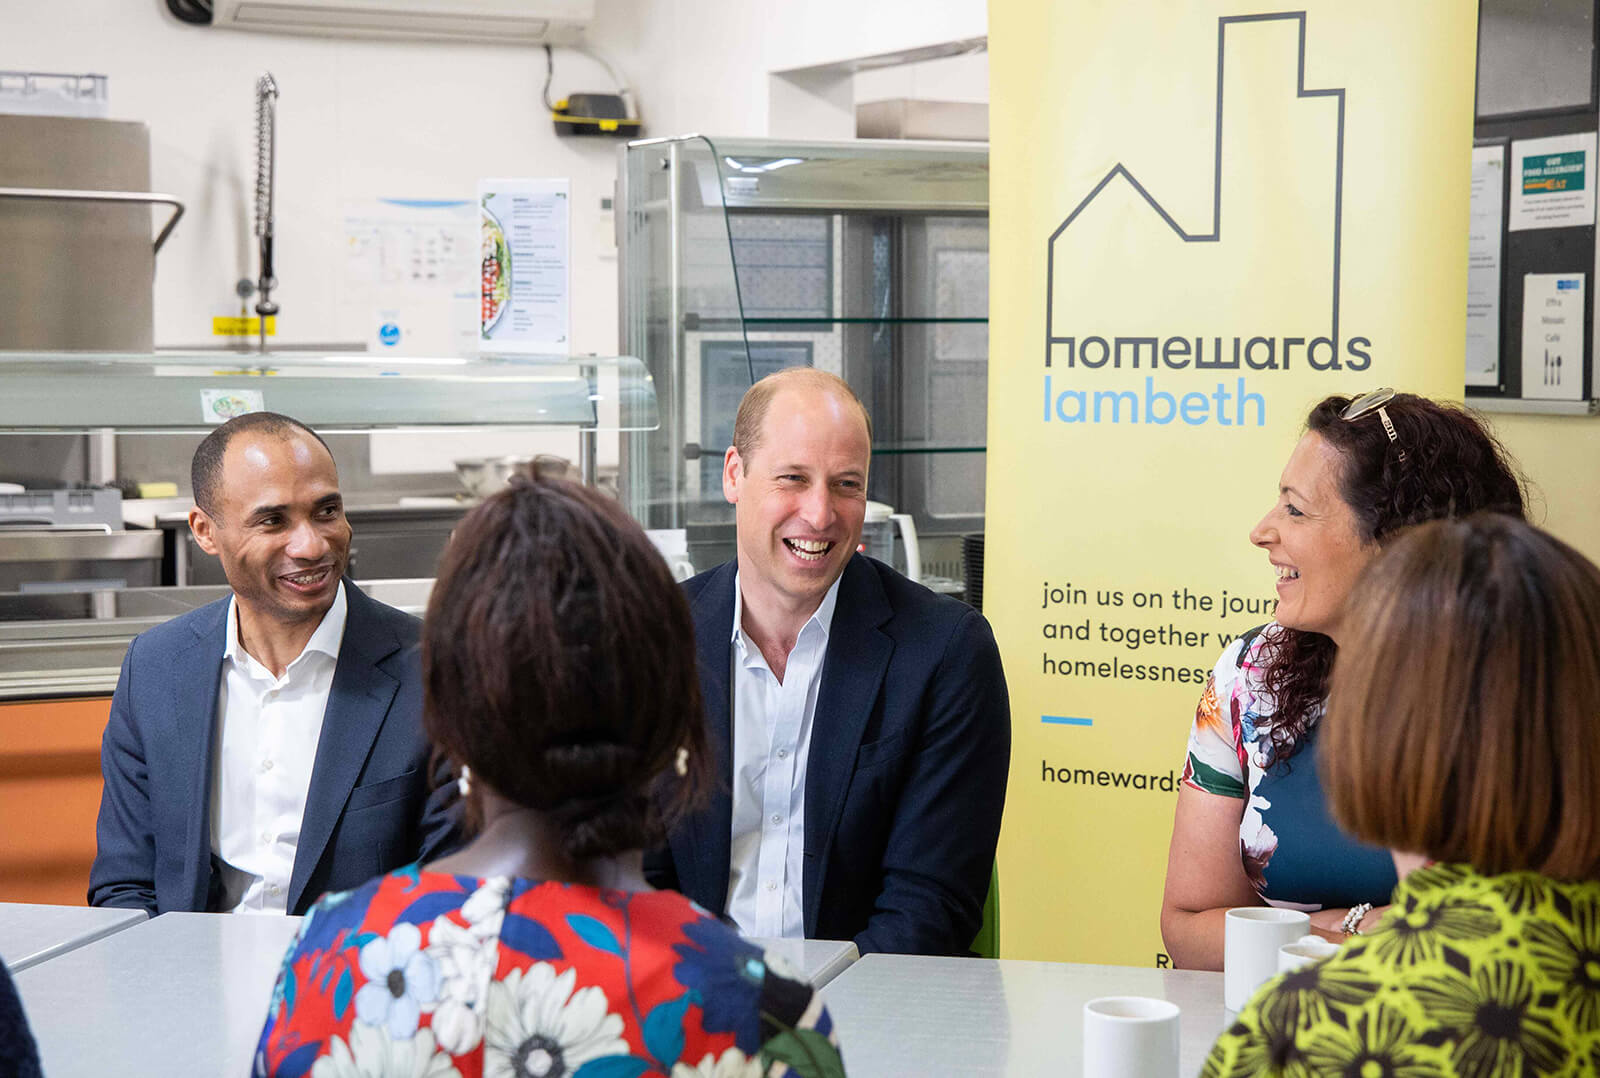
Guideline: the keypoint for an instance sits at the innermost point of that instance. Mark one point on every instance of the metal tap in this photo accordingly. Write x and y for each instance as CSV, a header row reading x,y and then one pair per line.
x,y
266,152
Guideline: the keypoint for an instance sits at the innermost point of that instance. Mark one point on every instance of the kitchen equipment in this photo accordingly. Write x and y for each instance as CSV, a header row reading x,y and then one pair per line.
x,y
673,544
53,558
485,475
266,184
92,507
878,533
75,226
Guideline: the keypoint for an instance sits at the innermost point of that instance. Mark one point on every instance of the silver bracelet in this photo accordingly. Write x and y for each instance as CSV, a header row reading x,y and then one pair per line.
x,y
1352,918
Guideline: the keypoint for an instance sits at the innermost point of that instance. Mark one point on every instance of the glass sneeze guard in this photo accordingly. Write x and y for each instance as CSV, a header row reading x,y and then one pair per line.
x,y
64,392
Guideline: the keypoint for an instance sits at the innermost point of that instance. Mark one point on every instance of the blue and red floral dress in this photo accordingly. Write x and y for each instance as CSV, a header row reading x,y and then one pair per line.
x,y
430,975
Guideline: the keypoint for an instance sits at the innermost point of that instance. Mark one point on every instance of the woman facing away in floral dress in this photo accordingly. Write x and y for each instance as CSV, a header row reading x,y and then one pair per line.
x,y
559,671
1460,727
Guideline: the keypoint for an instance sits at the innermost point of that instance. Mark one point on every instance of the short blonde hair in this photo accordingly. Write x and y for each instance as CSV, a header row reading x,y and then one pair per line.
x,y
1461,716
752,414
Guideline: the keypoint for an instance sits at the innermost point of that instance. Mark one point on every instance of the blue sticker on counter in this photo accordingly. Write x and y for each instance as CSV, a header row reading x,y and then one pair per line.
x,y
389,334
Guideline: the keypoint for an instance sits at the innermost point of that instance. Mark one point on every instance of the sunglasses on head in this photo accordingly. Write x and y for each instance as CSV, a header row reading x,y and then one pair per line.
x,y
1374,402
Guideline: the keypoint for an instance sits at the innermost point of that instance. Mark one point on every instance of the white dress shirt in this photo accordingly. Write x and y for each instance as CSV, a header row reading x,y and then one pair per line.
x,y
771,744
267,734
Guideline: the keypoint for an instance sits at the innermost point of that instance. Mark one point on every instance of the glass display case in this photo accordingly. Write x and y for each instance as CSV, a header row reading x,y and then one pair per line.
x,y
79,542
138,393
869,259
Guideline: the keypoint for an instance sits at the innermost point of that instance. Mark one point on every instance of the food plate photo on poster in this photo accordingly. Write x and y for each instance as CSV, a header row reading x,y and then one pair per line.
x,y
525,267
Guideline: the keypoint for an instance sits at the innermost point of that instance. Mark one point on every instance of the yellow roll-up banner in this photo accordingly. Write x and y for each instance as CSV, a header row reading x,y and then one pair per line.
x,y
1205,218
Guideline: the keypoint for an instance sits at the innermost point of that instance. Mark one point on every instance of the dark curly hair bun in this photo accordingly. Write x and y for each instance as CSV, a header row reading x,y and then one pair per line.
x,y
559,664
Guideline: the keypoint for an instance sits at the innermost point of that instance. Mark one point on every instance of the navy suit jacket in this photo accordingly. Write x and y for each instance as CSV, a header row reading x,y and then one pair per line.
x,y
910,749
371,806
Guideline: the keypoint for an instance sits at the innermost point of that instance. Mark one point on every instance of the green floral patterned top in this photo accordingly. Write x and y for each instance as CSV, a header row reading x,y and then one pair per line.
x,y
1466,975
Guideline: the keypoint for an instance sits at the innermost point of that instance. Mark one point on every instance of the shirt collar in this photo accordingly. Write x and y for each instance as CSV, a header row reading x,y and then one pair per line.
x,y
325,641
822,618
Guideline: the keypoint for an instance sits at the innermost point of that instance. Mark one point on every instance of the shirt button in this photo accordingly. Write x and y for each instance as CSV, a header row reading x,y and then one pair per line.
x,y
266,838
772,885
783,754
266,765
274,890
776,819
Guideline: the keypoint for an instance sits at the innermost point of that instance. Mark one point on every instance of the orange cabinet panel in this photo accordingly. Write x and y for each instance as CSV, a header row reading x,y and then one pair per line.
x,y
49,796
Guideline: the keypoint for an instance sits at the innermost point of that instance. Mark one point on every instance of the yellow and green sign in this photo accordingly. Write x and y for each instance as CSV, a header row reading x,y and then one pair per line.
x,y
1201,224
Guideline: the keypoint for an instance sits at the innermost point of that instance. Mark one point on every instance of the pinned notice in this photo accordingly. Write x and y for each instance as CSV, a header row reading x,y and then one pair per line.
x,y
1552,336
1552,182
1483,265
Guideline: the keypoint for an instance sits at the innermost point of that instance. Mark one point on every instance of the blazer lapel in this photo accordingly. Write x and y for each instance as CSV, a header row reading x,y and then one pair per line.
x,y
197,669
702,846
358,701
852,673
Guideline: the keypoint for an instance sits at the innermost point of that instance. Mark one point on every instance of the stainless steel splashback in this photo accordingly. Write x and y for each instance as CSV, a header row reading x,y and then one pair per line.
x,y
75,275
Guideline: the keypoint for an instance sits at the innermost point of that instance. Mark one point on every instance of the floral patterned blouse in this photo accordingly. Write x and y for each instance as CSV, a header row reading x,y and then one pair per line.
x,y
1466,975
430,975
1293,852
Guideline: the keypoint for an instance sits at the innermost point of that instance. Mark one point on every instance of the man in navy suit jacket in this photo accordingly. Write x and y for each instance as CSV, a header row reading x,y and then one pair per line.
x,y
205,708
860,722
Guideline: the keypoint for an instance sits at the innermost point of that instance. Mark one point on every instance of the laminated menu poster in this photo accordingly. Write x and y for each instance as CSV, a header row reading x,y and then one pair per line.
x,y
525,304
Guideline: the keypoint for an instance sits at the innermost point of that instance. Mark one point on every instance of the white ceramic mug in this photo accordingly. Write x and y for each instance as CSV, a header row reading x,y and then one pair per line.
x,y
1251,940
1130,1037
1304,951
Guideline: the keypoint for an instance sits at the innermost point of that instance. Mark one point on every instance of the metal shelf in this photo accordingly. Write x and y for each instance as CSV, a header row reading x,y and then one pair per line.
x,y
1518,406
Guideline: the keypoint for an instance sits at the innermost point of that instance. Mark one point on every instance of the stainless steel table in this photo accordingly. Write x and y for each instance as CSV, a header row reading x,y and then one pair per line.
x,y
185,993
30,934
903,1014
820,960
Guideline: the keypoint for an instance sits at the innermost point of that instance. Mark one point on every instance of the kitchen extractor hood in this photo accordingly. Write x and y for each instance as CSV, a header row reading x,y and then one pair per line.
x,y
536,22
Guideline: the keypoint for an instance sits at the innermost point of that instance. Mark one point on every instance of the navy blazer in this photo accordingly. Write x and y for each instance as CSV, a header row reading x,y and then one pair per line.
x,y
910,750
371,806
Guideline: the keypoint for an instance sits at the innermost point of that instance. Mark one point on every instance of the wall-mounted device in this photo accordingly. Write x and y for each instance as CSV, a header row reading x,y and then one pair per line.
x,y
505,22
594,114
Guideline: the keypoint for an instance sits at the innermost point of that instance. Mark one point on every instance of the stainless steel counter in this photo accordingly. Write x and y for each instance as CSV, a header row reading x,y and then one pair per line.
x,y
72,644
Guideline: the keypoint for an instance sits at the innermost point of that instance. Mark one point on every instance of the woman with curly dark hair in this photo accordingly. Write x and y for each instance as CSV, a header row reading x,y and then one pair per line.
x,y
559,675
1251,824
1460,725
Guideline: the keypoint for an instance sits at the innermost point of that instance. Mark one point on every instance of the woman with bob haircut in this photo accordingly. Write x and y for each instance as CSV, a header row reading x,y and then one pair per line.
x,y
559,674
1461,726
1251,825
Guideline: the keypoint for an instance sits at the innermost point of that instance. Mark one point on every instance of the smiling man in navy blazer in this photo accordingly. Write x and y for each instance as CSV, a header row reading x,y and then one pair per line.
x,y
268,747
860,721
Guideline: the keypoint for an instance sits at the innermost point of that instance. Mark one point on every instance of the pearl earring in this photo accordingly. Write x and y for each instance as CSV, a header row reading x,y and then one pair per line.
x,y
464,783
682,764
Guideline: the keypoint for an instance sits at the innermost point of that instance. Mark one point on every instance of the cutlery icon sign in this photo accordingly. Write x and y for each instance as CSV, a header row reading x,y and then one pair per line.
x,y
1552,368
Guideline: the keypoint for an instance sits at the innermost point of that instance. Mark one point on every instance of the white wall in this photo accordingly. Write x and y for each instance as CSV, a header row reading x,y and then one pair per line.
x,y
363,118
419,120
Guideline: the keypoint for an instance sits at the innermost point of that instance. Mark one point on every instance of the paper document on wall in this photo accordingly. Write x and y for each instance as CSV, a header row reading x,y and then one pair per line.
x,y
525,271
1485,236
1552,182
1552,336
410,273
